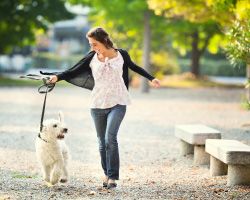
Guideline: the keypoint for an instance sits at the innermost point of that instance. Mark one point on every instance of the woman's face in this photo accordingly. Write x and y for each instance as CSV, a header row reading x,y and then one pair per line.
x,y
96,46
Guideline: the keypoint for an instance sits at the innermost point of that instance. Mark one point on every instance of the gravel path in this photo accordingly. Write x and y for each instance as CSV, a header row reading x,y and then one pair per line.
x,y
151,167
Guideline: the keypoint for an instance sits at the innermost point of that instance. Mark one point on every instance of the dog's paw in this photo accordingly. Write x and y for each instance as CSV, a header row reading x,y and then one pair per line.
x,y
64,180
48,184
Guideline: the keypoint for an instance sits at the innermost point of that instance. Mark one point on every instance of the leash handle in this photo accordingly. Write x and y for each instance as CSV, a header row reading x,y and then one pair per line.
x,y
34,77
45,88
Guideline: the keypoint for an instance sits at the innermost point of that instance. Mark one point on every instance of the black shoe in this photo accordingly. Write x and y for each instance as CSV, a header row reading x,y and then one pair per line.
x,y
111,185
104,184
105,181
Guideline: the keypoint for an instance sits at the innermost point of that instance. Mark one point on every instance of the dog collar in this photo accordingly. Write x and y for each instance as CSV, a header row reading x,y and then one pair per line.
x,y
39,135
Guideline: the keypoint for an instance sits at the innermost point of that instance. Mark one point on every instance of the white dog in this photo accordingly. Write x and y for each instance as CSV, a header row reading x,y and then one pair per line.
x,y
52,152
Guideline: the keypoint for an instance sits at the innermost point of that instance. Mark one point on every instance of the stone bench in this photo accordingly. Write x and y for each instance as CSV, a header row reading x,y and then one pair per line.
x,y
193,138
229,157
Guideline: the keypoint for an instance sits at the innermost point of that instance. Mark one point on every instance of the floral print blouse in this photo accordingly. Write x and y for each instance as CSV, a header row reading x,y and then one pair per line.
x,y
109,89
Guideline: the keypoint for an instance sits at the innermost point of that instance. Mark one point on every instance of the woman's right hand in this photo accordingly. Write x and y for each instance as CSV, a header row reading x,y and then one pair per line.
x,y
53,79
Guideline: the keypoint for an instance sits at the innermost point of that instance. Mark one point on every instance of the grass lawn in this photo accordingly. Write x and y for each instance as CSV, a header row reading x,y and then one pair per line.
x,y
187,80
180,82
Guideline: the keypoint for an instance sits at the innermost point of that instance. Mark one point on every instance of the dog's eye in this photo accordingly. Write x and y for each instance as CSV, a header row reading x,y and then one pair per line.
x,y
55,125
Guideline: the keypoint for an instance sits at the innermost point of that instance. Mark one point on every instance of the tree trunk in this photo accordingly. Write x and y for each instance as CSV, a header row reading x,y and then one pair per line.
x,y
146,51
248,78
195,57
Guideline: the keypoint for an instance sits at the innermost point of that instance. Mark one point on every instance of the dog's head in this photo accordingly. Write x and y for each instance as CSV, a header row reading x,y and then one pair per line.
x,y
54,129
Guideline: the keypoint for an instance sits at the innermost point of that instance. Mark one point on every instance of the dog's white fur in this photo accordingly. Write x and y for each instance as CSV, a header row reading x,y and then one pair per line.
x,y
52,152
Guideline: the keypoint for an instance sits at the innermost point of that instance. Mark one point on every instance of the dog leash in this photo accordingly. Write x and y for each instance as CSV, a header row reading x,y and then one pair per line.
x,y
43,89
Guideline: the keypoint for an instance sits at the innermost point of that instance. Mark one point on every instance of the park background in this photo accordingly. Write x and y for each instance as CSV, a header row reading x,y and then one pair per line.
x,y
199,49
193,39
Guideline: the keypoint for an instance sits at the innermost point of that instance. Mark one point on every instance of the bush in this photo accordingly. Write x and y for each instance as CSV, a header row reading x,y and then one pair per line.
x,y
164,63
212,67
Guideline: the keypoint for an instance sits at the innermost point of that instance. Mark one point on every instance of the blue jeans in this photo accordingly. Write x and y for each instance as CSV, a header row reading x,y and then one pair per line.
x,y
107,122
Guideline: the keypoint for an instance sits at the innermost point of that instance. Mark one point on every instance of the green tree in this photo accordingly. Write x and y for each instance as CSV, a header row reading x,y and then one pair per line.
x,y
237,28
20,18
237,31
195,38
193,27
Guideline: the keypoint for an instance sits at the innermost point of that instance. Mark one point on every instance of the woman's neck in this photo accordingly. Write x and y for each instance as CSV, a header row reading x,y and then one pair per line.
x,y
109,53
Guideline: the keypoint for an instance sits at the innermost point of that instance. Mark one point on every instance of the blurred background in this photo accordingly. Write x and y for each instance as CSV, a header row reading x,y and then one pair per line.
x,y
183,43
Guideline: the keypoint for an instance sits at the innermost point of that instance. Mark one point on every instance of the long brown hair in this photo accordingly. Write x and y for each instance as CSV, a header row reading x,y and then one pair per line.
x,y
100,35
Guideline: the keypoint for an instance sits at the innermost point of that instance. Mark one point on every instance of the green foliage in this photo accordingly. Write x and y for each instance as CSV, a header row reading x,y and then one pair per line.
x,y
181,32
193,11
216,15
20,18
19,175
237,28
187,17
245,104
238,48
164,63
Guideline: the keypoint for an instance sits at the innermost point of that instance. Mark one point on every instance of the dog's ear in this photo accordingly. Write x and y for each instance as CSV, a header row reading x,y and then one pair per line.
x,y
61,117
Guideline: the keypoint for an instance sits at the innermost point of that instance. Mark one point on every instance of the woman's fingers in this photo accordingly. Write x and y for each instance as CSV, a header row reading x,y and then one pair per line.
x,y
53,79
156,83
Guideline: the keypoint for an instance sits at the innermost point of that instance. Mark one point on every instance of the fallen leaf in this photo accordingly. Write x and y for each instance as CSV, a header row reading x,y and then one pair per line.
x,y
92,193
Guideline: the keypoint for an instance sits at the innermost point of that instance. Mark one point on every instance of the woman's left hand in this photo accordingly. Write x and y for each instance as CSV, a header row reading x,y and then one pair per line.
x,y
156,83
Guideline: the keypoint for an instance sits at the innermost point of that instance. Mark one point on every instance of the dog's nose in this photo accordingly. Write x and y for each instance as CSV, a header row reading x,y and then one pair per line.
x,y
65,130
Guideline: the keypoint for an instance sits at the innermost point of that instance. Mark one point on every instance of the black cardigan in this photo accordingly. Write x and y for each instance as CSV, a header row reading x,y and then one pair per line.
x,y
81,75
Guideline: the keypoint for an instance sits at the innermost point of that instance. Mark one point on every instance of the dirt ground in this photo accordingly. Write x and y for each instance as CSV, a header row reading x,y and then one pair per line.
x,y
151,167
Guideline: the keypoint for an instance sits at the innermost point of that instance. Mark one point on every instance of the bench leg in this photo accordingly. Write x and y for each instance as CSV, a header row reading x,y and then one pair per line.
x,y
186,148
200,155
238,175
217,168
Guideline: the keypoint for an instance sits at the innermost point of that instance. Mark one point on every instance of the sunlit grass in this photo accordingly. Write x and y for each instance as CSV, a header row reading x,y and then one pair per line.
x,y
187,80
11,82
20,175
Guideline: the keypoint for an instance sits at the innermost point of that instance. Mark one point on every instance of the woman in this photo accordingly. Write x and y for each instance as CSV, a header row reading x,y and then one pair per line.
x,y
104,70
